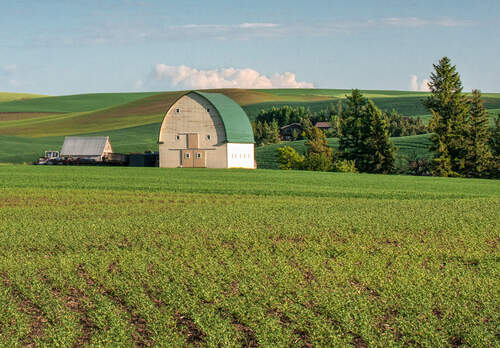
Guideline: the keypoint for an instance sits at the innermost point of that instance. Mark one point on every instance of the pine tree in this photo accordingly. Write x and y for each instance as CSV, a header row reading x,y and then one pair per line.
x,y
449,109
495,147
364,136
479,159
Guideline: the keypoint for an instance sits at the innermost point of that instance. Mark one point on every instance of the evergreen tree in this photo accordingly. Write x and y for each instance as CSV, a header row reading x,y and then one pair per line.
x,y
479,158
449,109
495,147
364,136
495,139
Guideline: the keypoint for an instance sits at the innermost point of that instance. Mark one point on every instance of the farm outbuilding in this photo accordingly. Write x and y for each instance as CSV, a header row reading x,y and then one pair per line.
x,y
206,130
92,148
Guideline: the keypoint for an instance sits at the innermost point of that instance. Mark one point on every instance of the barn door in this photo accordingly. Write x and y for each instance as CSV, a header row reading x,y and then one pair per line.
x,y
192,141
200,159
187,158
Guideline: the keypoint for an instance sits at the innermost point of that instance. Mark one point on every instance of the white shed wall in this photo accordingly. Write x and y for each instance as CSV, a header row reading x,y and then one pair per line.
x,y
240,155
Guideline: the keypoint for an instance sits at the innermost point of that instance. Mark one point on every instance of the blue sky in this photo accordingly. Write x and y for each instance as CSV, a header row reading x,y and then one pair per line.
x,y
64,47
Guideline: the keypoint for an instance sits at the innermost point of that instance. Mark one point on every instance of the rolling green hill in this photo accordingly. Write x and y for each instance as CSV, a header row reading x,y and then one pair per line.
x,y
7,96
30,126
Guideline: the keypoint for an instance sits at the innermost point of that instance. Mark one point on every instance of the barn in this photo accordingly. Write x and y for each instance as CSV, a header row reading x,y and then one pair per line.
x,y
206,130
93,148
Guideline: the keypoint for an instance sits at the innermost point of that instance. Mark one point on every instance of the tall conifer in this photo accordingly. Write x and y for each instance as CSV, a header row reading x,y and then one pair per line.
x,y
449,110
364,136
479,160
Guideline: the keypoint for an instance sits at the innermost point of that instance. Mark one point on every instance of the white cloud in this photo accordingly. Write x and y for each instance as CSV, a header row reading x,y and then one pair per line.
x,y
187,77
419,87
257,25
423,22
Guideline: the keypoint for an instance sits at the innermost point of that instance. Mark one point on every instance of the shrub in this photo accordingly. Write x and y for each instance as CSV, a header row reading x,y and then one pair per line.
x,y
289,158
318,162
344,166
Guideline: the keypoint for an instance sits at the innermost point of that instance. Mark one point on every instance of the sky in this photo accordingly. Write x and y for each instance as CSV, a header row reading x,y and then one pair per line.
x,y
60,47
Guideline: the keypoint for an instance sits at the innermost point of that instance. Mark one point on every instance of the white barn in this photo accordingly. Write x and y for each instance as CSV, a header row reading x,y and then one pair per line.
x,y
206,130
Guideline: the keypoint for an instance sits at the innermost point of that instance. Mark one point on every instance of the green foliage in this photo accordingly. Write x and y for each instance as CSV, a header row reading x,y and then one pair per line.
x,y
364,137
289,158
266,133
344,166
319,155
449,108
479,159
318,162
284,115
399,125
146,256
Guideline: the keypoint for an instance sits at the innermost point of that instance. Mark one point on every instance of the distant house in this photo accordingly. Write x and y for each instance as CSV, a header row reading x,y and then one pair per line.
x,y
94,148
286,132
323,125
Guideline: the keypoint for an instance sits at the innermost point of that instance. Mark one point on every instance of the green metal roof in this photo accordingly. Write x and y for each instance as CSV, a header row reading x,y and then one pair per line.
x,y
235,120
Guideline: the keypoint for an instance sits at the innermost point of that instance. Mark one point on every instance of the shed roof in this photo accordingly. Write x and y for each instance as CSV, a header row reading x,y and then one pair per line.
x,y
235,120
84,146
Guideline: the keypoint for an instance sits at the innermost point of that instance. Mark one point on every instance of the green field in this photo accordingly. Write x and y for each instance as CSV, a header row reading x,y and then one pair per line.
x,y
146,256
29,127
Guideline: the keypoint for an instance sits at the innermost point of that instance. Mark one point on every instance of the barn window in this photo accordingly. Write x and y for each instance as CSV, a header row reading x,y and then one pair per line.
x,y
187,155
177,137
208,137
177,110
198,155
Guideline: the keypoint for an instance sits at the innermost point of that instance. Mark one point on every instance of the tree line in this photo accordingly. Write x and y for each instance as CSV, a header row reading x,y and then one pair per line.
x,y
463,144
268,123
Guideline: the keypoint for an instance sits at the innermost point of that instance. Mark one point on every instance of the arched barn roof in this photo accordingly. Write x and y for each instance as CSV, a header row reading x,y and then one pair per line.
x,y
236,122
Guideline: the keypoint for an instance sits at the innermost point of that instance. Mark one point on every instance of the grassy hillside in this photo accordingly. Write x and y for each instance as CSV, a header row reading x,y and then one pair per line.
x,y
145,256
410,146
28,127
72,103
7,96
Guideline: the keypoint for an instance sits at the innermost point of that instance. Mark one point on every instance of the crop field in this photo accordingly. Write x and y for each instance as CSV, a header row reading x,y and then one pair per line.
x,y
145,256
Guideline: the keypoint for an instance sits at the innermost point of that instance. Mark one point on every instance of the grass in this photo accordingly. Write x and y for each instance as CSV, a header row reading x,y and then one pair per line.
x,y
72,103
145,256
416,146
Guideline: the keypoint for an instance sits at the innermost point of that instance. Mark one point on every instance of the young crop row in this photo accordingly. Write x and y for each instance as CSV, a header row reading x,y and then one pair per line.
x,y
127,256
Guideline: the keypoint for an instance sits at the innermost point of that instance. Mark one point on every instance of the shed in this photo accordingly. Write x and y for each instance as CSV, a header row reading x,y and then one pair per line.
x,y
206,130
94,148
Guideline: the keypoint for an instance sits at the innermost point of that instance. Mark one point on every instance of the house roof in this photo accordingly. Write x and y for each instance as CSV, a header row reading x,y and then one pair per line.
x,y
235,120
323,124
84,146
296,124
